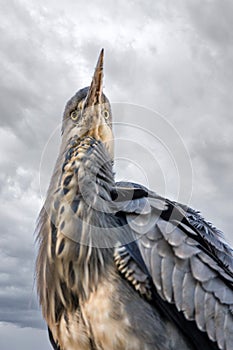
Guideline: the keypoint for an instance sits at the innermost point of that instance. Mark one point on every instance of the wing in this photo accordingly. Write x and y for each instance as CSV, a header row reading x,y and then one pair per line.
x,y
186,258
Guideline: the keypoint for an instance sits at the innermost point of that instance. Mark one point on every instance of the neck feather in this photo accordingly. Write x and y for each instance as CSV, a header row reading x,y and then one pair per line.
x,y
74,226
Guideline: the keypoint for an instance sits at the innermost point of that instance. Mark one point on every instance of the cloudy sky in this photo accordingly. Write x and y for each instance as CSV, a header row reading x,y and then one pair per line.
x,y
168,70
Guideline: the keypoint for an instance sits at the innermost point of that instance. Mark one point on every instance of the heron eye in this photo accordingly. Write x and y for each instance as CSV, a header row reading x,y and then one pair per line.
x,y
74,115
106,114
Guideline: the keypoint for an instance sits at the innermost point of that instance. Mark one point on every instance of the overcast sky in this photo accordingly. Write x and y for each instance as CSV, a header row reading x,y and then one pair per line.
x,y
168,70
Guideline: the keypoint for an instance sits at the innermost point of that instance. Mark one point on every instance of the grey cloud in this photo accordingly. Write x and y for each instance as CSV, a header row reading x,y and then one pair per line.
x,y
13,337
213,19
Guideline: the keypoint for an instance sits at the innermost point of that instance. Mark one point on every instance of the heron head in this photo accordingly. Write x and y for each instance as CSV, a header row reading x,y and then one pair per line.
x,y
88,112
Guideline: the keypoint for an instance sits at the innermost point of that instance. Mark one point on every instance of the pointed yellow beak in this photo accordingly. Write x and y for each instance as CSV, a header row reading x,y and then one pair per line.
x,y
95,90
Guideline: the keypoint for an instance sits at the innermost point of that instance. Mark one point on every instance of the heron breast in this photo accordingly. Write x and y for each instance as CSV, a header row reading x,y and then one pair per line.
x,y
102,324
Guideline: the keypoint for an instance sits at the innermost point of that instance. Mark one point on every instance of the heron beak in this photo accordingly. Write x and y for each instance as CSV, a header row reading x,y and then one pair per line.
x,y
95,90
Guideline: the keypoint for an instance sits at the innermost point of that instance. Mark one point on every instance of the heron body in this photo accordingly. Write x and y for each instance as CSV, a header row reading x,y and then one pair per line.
x,y
120,267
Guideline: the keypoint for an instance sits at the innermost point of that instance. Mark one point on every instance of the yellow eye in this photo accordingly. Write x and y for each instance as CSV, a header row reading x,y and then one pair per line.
x,y
74,115
106,114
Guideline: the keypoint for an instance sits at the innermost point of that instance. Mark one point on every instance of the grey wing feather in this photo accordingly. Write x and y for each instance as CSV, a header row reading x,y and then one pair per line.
x,y
209,307
167,267
188,289
191,266
220,314
228,327
199,300
156,262
180,269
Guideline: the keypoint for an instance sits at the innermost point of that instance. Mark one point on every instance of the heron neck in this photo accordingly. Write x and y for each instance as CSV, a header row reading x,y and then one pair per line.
x,y
90,163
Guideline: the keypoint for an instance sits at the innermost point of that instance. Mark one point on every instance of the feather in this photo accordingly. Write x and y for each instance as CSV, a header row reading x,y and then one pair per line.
x,y
220,290
201,271
176,238
220,315
158,204
185,251
188,289
209,306
228,327
199,299
180,269
164,250
166,228
155,266
167,267
188,229
208,260
141,224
